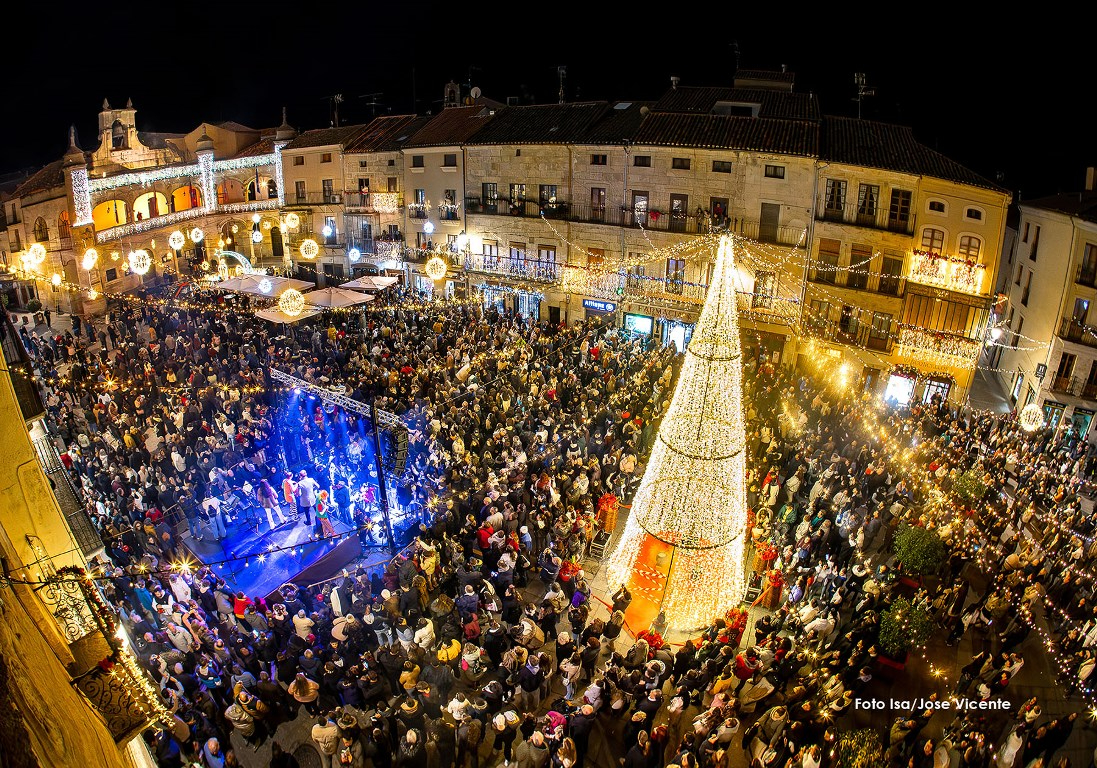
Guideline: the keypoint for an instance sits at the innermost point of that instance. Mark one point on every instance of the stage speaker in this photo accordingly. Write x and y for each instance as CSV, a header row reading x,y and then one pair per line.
x,y
394,450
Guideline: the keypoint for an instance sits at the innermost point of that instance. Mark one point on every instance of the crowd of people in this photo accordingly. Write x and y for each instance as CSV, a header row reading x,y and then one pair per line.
x,y
483,639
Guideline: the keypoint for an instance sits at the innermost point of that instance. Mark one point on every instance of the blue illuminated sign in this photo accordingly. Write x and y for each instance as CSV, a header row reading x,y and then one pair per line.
x,y
599,306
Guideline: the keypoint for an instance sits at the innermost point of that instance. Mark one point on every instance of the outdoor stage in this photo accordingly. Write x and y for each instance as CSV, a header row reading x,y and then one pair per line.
x,y
273,557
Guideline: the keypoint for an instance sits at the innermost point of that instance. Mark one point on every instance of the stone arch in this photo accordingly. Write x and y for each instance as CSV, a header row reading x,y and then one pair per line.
x,y
150,205
234,240
266,189
230,191
119,136
185,198
110,213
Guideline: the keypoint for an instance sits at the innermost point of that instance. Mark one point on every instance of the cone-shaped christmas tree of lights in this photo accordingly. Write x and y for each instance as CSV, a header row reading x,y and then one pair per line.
x,y
691,503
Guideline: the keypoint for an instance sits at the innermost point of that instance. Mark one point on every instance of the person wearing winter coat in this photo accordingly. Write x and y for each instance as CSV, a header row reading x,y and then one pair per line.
x,y
533,752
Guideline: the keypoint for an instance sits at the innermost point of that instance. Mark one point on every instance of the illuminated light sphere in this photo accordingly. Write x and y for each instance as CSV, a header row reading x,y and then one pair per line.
x,y
197,234
291,302
255,218
91,258
36,254
235,228
93,294
56,279
257,236
428,228
293,220
228,240
327,230
265,286
435,268
140,261
309,248
1031,418
354,254
996,333
684,542
177,240
283,228
205,265
462,241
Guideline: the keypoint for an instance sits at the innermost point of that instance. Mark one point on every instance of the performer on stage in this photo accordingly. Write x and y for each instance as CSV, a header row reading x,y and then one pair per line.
x,y
322,519
268,499
341,497
306,495
289,491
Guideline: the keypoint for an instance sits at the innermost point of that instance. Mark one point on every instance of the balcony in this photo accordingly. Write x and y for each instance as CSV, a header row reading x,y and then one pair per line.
x,y
522,269
1086,274
887,285
1074,385
417,211
1071,330
851,333
358,200
313,198
879,219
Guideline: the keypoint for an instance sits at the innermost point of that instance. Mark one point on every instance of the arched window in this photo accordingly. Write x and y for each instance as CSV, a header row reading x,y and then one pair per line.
x,y
276,242
118,136
933,240
970,246
64,230
41,231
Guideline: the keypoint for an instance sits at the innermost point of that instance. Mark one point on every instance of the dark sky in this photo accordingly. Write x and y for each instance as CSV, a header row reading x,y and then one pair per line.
x,y
1008,106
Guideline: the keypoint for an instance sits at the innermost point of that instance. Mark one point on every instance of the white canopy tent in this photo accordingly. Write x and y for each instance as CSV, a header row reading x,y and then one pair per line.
x,y
255,284
371,283
275,315
335,298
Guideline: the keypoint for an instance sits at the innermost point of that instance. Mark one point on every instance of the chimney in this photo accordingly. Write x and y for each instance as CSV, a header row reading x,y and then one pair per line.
x,y
674,82
1091,178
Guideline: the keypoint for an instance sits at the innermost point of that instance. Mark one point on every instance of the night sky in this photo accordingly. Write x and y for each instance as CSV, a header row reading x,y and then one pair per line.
x,y
1008,106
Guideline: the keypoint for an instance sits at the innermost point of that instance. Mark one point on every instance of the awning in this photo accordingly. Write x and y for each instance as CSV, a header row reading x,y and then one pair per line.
x,y
275,315
371,283
263,285
336,297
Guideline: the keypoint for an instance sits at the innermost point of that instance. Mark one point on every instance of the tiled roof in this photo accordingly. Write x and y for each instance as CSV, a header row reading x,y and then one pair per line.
x,y
541,124
324,137
48,177
398,139
451,127
1080,204
379,133
261,147
765,74
893,148
771,103
618,124
230,125
787,137
155,140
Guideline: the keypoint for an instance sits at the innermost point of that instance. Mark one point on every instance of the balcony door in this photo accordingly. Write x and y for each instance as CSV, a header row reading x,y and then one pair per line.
x,y
769,222
597,203
640,208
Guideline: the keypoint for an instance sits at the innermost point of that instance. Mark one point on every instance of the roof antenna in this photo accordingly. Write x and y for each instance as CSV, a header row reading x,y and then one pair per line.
x,y
561,71
862,90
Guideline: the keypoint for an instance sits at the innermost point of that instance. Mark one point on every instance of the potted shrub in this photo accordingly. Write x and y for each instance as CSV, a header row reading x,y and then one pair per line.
x,y
34,305
902,627
862,748
919,551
